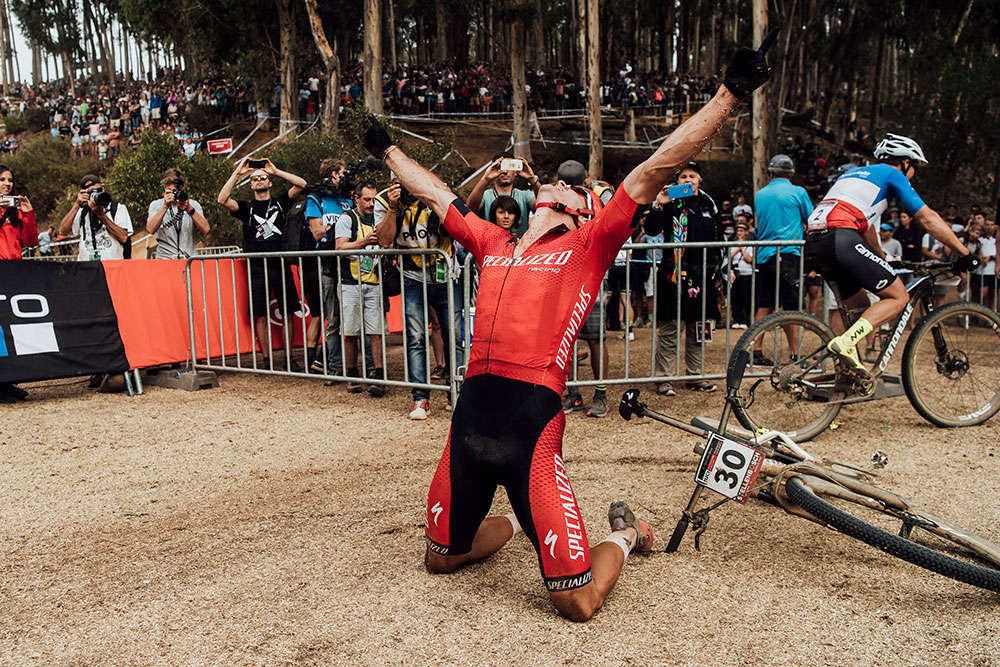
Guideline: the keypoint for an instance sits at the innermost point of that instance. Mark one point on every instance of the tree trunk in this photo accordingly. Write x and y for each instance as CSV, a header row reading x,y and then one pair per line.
x,y
682,40
696,34
522,132
539,30
876,83
4,53
36,64
373,57
422,39
390,29
581,42
596,166
761,108
668,33
331,63
289,92
441,36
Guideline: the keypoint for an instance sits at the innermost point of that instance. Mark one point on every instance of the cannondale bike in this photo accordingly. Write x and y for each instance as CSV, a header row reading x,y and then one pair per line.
x,y
950,369
772,467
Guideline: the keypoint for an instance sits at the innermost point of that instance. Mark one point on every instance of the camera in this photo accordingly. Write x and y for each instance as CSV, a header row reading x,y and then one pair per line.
x,y
9,200
99,197
349,177
256,164
180,194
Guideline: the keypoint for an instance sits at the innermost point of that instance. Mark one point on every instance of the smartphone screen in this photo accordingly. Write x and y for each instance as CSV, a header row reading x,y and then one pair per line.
x,y
680,191
256,164
511,164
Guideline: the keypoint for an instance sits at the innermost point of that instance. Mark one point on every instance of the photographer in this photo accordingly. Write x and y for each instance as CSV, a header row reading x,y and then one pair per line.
x,y
404,222
324,204
104,225
17,219
173,218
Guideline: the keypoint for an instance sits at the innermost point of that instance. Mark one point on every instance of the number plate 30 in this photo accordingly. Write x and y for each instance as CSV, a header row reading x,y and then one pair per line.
x,y
729,468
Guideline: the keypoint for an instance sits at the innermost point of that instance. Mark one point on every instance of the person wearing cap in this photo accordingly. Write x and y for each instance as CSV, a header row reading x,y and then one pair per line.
x,y
104,229
693,219
892,248
782,211
496,182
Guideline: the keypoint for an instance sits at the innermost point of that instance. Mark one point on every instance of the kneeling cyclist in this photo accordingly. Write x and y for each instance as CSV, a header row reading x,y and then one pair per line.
x,y
842,241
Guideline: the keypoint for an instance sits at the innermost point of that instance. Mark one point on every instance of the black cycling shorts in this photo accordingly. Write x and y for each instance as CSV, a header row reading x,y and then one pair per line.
x,y
787,286
509,433
843,258
265,283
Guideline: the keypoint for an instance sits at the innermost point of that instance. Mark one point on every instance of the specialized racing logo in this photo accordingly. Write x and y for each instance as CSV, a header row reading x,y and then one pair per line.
x,y
576,318
550,541
569,583
571,516
436,511
545,259
29,337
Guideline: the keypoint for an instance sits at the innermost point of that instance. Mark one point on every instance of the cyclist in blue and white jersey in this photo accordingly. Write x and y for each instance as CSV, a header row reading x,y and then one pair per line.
x,y
842,237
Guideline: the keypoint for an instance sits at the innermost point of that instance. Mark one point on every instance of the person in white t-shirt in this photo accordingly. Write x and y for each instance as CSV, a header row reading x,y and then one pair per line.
x,y
983,279
742,207
104,226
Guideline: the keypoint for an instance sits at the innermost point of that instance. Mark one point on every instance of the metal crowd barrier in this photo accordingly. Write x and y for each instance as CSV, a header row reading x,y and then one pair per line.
x,y
55,247
218,250
219,356
712,271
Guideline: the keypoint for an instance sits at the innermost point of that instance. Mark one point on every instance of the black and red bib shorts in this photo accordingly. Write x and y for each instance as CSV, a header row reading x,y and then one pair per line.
x,y
508,433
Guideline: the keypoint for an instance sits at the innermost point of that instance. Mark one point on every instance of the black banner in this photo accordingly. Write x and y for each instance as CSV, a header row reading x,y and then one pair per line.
x,y
57,320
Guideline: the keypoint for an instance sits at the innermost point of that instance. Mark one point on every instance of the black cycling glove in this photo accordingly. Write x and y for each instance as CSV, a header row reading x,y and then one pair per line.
x,y
748,70
377,139
965,263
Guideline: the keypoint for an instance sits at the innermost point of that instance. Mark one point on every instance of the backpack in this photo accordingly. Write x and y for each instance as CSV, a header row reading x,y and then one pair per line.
x,y
295,233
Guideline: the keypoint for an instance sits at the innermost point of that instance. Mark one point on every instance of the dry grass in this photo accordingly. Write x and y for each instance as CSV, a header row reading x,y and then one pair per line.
x,y
276,520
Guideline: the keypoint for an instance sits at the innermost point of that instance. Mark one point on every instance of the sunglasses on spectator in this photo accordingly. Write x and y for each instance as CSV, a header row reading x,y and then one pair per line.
x,y
254,179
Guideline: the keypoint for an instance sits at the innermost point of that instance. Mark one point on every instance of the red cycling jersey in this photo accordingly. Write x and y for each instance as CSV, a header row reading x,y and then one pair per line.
x,y
529,309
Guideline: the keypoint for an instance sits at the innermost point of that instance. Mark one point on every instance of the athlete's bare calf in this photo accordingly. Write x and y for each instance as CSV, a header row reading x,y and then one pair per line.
x,y
580,604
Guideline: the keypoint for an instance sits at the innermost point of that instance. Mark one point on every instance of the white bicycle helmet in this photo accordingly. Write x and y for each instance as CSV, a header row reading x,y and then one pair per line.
x,y
895,145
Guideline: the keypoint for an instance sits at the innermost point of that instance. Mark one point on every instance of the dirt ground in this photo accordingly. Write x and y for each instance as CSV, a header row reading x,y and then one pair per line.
x,y
277,520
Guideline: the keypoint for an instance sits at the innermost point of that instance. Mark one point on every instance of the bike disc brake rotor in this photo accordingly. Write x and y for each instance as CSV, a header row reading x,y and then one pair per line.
x,y
955,365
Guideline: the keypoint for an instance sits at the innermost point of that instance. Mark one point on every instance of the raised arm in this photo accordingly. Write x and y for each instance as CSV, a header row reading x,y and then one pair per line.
x,y
489,177
224,197
747,71
420,182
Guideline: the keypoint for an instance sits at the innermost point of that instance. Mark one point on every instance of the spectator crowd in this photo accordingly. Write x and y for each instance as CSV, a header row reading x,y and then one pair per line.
x,y
695,289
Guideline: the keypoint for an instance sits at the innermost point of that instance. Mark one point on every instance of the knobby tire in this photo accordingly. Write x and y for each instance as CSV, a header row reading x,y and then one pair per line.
x,y
893,545
745,415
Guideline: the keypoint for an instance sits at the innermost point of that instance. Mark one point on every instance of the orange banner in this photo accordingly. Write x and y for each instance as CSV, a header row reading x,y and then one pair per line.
x,y
150,301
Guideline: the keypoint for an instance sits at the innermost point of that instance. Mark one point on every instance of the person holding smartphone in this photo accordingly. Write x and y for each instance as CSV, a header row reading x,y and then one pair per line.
x,y
263,219
498,180
684,213
17,219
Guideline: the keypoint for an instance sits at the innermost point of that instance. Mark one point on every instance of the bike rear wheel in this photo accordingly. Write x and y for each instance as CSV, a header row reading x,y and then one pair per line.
x,y
951,365
779,402
932,553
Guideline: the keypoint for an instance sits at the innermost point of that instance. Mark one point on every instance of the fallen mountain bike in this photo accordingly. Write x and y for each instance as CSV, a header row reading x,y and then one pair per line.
x,y
950,369
772,467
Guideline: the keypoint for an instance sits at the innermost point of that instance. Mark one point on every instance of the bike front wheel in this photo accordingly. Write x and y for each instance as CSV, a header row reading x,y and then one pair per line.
x,y
951,365
923,540
790,384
